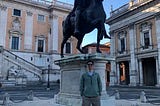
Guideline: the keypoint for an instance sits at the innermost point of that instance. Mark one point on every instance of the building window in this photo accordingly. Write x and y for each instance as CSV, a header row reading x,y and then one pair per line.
x,y
15,43
16,12
40,45
68,47
145,35
41,18
146,40
122,45
122,42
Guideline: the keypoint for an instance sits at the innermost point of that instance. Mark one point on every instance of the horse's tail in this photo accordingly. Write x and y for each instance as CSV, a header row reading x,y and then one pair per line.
x,y
105,35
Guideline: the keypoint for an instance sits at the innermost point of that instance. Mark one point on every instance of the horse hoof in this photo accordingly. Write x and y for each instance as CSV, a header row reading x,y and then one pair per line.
x,y
106,36
62,56
98,51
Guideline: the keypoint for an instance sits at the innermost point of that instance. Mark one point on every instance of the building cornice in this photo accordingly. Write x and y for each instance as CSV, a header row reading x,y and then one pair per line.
x,y
131,11
147,53
46,5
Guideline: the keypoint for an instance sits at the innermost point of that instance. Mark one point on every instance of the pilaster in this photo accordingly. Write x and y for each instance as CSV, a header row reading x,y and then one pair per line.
x,y
132,52
28,31
157,73
113,78
54,34
140,72
3,24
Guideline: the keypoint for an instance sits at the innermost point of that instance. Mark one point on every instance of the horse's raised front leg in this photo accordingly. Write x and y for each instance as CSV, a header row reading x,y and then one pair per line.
x,y
62,45
79,44
98,40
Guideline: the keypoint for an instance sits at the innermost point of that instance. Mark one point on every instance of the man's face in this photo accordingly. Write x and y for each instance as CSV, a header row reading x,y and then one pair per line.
x,y
90,67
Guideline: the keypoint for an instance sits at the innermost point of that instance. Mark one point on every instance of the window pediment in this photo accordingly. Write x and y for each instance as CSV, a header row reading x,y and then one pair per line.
x,y
145,26
122,34
12,31
40,37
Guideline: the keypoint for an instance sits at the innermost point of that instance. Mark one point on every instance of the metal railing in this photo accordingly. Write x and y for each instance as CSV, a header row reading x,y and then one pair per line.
x,y
120,10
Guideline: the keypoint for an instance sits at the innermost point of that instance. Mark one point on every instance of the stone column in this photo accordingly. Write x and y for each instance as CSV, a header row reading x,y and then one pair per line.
x,y
137,72
3,24
113,77
1,61
71,69
157,73
158,44
28,31
132,52
118,74
140,72
53,41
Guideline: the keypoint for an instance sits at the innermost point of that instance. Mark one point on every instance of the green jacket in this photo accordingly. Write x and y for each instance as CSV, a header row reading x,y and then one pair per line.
x,y
90,86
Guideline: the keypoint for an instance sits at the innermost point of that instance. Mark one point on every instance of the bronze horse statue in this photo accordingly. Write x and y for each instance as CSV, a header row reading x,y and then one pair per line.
x,y
92,17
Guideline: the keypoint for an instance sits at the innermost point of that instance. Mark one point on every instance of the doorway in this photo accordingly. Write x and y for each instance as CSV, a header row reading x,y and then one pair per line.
x,y
149,71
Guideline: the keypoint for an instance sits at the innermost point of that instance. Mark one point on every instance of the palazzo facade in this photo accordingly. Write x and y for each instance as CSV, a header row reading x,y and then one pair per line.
x,y
135,43
30,39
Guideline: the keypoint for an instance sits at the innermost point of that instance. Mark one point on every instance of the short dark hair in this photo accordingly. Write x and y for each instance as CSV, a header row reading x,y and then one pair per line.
x,y
90,62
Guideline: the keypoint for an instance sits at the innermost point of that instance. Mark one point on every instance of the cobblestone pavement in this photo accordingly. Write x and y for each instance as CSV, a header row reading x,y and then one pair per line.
x,y
21,94
133,93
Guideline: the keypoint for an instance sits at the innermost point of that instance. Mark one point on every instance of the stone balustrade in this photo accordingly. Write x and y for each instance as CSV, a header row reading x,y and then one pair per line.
x,y
131,5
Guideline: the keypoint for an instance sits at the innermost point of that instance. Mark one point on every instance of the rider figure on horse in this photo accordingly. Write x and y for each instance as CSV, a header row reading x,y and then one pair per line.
x,y
79,7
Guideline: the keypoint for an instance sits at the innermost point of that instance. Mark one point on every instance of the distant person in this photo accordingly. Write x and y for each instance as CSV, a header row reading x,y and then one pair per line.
x,y
90,86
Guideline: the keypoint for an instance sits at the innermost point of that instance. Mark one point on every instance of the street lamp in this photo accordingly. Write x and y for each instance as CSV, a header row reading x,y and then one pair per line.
x,y
48,84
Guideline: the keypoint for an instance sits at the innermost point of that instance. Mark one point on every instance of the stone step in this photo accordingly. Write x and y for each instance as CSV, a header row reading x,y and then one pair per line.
x,y
8,83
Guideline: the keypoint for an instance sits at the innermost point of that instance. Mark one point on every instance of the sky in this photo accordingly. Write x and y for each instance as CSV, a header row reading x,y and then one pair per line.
x,y
92,37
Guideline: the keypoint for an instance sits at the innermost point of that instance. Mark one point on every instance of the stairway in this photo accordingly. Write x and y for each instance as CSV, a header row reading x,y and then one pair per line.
x,y
11,57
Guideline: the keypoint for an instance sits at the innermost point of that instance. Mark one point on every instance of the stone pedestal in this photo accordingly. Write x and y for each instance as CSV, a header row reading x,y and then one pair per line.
x,y
71,69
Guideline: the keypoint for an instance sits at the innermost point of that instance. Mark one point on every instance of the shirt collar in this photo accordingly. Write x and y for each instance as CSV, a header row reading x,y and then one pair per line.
x,y
90,73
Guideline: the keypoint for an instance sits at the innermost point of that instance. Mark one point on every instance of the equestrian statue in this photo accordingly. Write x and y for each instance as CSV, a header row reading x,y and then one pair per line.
x,y
84,18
